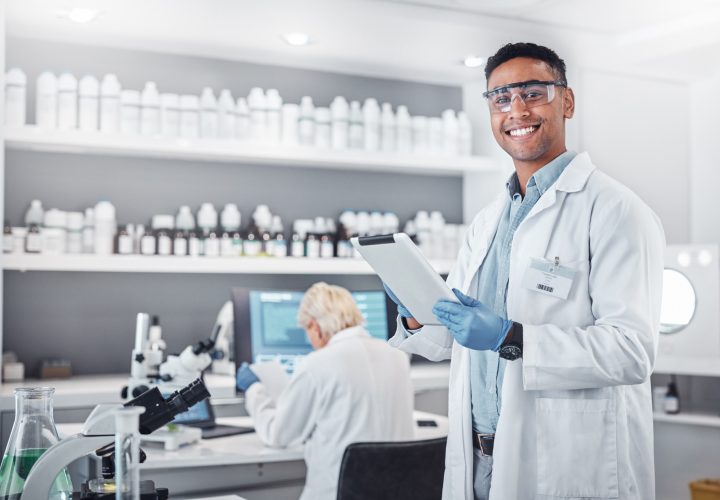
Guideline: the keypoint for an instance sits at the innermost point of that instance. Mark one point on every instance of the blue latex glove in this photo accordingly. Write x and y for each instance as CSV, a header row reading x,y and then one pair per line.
x,y
472,323
402,310
245,377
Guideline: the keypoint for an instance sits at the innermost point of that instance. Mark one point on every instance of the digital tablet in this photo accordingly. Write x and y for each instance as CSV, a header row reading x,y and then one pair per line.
x,y
403,267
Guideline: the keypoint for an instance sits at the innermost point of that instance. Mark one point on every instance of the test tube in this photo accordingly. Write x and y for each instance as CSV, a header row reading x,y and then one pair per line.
x,y
127,453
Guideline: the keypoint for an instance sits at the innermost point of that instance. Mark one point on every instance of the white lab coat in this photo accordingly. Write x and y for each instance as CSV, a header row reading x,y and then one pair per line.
x,y
356,388
576,419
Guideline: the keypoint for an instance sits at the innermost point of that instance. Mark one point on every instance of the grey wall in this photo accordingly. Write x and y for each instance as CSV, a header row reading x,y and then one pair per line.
x,y
89,317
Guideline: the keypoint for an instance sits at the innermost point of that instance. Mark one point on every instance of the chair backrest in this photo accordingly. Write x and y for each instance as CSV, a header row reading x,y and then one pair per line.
x,y
406,470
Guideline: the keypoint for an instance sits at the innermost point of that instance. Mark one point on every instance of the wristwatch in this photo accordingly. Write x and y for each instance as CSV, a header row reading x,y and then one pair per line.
x,y
512,347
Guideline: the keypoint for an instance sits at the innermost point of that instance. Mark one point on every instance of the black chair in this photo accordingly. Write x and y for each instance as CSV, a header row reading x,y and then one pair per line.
x,y
406,470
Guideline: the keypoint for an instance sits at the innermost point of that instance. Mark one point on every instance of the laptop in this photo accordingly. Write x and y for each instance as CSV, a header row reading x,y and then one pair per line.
x,y
202,416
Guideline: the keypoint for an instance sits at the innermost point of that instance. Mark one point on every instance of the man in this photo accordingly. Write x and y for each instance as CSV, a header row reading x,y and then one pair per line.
x,y
554,336
341,394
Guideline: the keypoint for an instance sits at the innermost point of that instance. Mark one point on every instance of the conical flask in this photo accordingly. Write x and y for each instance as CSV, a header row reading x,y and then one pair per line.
x,y
32,434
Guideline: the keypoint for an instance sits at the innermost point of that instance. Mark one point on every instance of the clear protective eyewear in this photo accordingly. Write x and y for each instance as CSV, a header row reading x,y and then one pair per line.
x,y
532,93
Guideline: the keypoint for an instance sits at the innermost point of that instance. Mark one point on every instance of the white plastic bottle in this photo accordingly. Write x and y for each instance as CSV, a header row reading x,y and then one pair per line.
x,y
437,135
163,226
280,246
35,213
88,231
74,232
258,115
208,114
110,104
150,113
290,116
226,115
356,138
274,104
189,116
371,122
306,122
404,130
105,228
130,112
230,218
451,133
67,102
322,128
420,134
207,220
242,120
465,134
54,232
89,104
15,97
170,115
340,111
388,132
46,102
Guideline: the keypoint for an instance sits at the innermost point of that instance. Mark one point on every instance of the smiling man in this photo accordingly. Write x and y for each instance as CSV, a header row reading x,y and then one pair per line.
x,y
554,335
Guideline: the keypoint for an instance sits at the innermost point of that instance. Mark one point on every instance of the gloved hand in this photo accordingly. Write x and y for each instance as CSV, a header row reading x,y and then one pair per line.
x,y
245,377
472,323
402,310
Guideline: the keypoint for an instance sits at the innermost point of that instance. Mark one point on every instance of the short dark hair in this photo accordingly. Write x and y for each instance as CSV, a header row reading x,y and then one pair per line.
x,y
531,51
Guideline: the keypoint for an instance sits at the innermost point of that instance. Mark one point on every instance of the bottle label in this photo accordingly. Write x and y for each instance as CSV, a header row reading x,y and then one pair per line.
x,y
8,243
34,243
297,249
327,250
313,249
227,248
252,248
164,245
672,405
194,247
280,249
147,245
180,246
212,247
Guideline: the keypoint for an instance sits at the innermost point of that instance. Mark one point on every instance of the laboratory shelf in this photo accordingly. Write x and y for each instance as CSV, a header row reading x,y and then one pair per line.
x,y
704,419
192,265
31,138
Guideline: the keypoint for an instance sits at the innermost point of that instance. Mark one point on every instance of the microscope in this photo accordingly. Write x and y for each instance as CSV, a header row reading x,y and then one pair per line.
x,y
98,436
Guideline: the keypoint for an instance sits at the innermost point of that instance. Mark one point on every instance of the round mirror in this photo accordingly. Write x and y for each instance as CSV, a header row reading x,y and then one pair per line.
x,y
678,302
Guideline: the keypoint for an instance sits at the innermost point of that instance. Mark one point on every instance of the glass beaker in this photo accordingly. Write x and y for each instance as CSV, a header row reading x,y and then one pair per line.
x,y
33,432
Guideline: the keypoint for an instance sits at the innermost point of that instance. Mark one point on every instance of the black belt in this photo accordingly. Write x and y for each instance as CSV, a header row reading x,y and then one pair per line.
x,y
484,443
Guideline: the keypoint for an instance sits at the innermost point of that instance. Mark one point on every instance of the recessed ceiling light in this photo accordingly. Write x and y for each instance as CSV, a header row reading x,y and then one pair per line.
x,y
296,39
79,15
473,61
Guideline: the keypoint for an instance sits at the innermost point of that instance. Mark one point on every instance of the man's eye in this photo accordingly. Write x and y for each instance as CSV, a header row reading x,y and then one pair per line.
x,y
533,95
502,100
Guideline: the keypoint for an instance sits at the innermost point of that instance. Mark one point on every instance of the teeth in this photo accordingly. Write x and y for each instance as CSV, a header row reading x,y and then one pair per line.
x,y
522,131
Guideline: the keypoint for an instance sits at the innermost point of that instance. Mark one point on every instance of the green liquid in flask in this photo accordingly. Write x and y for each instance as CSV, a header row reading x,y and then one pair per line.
x,y
15,469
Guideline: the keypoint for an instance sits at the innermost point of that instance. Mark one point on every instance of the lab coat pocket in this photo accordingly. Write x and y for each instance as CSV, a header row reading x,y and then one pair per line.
x,y
576,448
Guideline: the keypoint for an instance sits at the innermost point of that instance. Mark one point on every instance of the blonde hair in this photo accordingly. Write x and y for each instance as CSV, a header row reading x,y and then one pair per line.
x,y
331,306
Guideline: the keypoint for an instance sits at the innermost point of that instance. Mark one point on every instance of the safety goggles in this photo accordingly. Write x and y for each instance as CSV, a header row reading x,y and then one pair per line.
x,y
532,93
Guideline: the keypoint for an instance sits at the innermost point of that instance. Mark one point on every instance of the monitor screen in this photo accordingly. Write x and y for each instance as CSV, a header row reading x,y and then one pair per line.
x,y
200,412
271,324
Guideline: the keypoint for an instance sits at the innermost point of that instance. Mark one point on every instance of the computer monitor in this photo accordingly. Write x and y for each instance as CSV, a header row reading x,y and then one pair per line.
x,y
266,327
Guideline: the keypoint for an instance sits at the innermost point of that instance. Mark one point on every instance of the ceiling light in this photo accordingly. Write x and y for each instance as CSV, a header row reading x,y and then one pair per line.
x,y
80,15
473,61
296,39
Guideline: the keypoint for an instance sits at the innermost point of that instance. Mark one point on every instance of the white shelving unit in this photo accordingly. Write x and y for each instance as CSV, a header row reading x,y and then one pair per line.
x,y
193,265
31,138
704,419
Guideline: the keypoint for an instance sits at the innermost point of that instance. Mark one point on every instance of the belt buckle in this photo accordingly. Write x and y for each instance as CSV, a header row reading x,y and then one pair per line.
x,y
480,437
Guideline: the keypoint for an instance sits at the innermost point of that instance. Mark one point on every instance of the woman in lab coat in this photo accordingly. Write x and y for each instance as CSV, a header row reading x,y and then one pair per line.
x,y
352,388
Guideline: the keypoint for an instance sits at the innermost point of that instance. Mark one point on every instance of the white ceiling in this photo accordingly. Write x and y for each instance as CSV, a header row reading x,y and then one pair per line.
x,y
414,39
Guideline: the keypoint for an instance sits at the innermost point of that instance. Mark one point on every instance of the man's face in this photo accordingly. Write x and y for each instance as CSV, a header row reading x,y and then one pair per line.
x,y
545,123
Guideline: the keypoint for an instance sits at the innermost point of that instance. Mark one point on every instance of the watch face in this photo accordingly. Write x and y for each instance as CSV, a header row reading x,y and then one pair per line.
x,y
510,352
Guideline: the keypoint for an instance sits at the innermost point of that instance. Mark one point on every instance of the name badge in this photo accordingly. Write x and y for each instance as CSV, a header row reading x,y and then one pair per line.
x,y
549,278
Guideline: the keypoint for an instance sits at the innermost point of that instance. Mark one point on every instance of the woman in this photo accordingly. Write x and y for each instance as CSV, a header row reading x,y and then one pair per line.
x,y
351,388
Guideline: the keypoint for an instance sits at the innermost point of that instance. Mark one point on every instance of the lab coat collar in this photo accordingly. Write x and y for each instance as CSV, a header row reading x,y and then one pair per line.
x,y
348,333
576,174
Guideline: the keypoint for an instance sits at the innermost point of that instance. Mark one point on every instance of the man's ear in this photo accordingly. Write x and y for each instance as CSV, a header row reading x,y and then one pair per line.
x,y
568,103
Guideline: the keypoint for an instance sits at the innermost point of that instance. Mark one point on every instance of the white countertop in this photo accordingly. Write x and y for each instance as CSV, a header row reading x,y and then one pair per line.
x,y
88,390
244,448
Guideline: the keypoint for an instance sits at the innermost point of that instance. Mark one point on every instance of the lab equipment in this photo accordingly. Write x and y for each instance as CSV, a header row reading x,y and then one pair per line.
x,y
105,227
257,102
46,103
150,111
189,117
404,130
472,323
388,134
266,328
74,232
226,115
224,351
273,124
356,139
98,432
35,213
371,125
208,114
15,97
671,402
127,453
110,104
201,417
402,266
689,341
340,123
54,232
306,122
67,102
531,93
146,359
88,103
129,112
33,433
88,232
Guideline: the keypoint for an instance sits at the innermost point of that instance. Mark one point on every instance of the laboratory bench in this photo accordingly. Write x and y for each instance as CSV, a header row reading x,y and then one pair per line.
x,y
239,464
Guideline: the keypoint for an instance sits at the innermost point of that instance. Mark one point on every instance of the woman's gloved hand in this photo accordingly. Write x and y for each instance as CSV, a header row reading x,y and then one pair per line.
x,y
472,323
402,310
245,377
